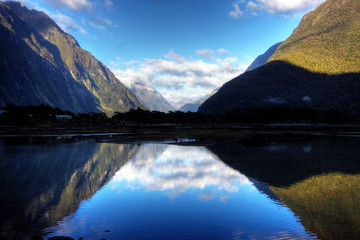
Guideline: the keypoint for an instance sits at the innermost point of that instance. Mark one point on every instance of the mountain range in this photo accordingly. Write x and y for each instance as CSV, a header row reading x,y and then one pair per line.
x,y
150,98
41,64
258,62
194,106
316,67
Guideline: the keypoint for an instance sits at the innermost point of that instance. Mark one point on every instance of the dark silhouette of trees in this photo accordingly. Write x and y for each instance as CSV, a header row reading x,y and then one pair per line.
x,y
44,114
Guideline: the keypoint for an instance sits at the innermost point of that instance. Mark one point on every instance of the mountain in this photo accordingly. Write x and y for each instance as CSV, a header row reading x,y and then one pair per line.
x,y
41,64
327,39
281,84
194,106
151,98
316,67
263,58
54,181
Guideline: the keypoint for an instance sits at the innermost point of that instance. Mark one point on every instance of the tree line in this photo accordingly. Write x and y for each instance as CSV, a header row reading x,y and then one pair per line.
x,y
45,114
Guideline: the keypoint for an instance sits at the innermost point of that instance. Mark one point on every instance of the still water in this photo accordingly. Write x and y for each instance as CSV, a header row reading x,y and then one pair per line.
x,y
299,190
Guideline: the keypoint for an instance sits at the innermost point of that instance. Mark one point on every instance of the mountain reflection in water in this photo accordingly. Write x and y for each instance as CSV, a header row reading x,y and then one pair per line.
x,y
292,189
41,184
317,178
180,192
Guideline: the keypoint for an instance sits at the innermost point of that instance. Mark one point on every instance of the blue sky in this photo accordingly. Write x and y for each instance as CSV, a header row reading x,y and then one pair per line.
x,y
182,48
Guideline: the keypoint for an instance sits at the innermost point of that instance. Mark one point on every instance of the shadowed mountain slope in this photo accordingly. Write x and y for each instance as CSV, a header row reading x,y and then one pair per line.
x,y
316,67
41,64
281,84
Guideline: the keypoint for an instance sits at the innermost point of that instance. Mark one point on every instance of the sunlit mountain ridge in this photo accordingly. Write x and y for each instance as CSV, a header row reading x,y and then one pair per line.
x,y
315,68
41,64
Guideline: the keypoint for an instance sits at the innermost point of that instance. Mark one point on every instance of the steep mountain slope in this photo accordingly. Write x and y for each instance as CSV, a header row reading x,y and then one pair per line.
x,y
47,66
194,106
263,58
327,39
301,77
151,98
30,74
281,84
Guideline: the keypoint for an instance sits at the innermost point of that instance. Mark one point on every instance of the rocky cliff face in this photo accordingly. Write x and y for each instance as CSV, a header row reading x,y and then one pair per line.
x,y
41,64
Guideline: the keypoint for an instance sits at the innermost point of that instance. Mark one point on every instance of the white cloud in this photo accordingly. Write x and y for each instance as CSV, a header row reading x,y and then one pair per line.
x,y
282,7
178,169
82,5
286,6
66,23
173,56
206,53
97,26
100,23
222,51
236,12
82,31
180,79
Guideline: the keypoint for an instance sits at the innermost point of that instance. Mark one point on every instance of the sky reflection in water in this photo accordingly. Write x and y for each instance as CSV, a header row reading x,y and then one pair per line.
x,y
179,192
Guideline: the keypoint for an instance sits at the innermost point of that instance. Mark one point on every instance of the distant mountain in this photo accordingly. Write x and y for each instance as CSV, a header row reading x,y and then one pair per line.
x,y
194,106
258,62
316,67
263,58
41,64
151,98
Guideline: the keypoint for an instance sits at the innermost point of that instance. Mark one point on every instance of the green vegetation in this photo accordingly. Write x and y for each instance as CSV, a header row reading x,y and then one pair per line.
x,y
327,204
327,39
317,67
317,177
41,64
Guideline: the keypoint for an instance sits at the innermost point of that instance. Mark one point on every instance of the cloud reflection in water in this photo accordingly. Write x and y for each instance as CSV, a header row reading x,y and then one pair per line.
x,y
176,169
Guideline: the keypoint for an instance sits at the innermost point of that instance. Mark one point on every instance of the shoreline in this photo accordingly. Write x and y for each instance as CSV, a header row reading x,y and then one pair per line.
x,y
176,133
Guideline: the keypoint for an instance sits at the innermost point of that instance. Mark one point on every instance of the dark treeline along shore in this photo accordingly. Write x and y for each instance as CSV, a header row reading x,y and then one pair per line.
x,y
50,116
253,126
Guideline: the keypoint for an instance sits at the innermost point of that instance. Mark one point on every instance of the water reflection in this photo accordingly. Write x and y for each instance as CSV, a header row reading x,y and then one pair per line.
x,y
177,169
180,192
286,163
318,179
159,191
41,184
326,204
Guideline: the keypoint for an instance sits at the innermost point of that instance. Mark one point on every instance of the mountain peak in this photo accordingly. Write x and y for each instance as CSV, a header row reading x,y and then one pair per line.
x,y
41,64
316,68
326,40
37,20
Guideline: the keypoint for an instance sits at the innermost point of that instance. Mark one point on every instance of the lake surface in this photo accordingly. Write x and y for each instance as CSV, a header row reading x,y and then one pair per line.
x,y
306,189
